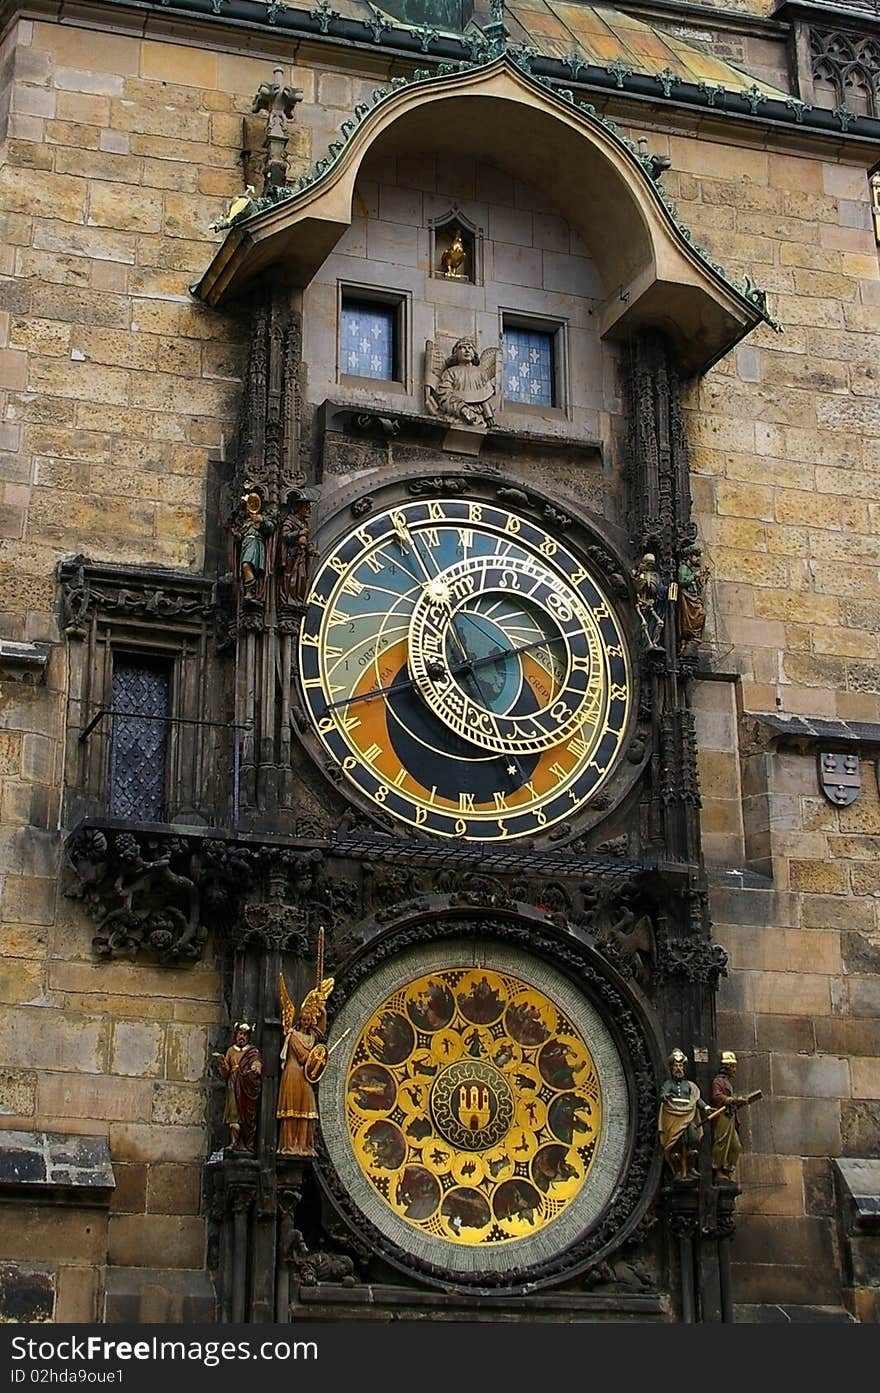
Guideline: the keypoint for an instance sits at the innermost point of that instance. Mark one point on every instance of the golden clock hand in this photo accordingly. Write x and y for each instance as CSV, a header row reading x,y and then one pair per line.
x,y
505,653
435,670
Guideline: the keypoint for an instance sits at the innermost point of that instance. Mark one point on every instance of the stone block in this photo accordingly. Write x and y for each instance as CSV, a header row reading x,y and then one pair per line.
x,y
810,1076
18,1091
719,774
806,1126
131,210
21,981
771,1185
156,1240
820,877
137,1049
865,1078
125,979
76,1301
130,1195
178,1104
860,1128
863,994
866,1305
80,306
185,64
97,1096
848,1036
795,1034
41,336
171,123
174,1189
48,1234
29,900
40,1038
186,216
131,1141
771,1284
793,1242
781,950
818,1186
145,1296
786,993
830,912
27,1294
185,1052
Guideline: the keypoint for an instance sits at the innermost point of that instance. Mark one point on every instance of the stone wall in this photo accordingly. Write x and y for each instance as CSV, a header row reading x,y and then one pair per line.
x,y
118,387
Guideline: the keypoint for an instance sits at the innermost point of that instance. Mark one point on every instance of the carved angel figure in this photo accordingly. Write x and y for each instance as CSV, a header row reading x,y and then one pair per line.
x,y
462,386
303,1059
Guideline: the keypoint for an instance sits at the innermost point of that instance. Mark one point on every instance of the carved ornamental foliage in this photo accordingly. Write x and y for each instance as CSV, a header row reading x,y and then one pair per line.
x,y
158,895
149,594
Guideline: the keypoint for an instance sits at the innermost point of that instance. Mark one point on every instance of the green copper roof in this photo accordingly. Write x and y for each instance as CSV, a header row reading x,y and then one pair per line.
x,y
594,34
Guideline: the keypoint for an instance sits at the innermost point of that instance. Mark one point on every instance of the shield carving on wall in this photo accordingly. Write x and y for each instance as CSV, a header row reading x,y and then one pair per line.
x,y
840,778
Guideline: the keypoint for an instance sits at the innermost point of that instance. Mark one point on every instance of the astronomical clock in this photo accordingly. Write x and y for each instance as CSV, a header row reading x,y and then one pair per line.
x,y
468,676
466,842
464,668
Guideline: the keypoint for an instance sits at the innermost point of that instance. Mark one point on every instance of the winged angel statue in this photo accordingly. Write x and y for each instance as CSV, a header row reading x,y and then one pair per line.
x,y
462,386
304,1059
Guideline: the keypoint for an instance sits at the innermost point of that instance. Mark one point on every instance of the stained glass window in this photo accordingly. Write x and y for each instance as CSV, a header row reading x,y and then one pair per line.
x,y
138,741
368,347
528,366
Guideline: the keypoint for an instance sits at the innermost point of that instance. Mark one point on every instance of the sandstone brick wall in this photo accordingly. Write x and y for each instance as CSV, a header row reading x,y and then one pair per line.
x,y
118,386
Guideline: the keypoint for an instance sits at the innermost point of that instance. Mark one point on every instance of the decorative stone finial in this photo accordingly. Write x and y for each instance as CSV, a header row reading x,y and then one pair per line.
x,y
279,102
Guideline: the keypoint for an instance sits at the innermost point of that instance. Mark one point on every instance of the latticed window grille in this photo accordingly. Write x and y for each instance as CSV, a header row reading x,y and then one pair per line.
x,y
368,340
139,740
528,366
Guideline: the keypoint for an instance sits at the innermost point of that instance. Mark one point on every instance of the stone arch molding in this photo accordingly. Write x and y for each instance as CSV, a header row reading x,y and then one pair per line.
x,y
652,272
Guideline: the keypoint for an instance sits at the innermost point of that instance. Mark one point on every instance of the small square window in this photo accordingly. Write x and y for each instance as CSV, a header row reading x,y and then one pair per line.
x,y
369,339
529,365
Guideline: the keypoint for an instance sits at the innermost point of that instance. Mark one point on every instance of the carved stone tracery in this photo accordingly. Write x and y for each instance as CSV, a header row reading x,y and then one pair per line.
x,y
850,62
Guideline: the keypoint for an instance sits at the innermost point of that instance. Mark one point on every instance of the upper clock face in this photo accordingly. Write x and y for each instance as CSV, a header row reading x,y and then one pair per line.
x,y
464,669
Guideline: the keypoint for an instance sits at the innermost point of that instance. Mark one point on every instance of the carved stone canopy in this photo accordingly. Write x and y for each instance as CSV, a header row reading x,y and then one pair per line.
x,y
651,273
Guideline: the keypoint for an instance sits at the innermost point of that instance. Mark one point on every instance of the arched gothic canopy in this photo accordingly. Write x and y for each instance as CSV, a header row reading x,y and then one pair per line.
x,y
652,274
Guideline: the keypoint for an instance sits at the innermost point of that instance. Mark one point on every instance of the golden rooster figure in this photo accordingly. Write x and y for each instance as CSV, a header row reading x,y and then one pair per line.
x,y
304,1059
454,259
236,208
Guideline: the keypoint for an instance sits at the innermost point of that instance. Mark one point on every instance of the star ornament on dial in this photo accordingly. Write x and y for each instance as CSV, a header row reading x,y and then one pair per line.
x,y
464,669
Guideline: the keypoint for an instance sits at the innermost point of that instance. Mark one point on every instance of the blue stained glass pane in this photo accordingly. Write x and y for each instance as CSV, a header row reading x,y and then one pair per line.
x,y
367,348
528,366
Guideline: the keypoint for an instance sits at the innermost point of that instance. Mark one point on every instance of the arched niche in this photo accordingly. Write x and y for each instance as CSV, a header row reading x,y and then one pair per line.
x,y
653,275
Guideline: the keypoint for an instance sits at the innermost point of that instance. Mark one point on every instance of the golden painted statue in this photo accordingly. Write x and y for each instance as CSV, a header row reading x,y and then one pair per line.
x,y
678,1122
726,1144
254,558
304,1059
454,259
462,386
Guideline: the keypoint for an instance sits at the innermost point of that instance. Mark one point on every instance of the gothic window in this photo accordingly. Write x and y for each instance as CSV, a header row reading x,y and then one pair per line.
x,y
529,365
370,338
846,70
141,699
